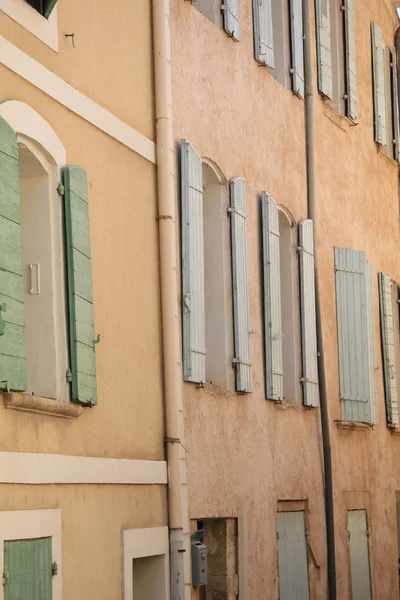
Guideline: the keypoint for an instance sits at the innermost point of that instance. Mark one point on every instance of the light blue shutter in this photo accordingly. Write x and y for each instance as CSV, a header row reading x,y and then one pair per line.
x,y
378,59
296,29
324,51
272,299
389,350
358,533
263,32
240,281
352,329
308,316
292,556
396,115
351,77
230,10
194,352
372,365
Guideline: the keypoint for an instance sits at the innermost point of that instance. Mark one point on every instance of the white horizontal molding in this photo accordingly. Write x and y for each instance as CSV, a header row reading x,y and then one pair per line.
x,y
29,468
45,80
46,30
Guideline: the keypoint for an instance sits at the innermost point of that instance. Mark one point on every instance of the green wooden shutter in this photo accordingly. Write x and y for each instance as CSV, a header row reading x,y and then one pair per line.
x,y
28,572
48,7
12,320
80,293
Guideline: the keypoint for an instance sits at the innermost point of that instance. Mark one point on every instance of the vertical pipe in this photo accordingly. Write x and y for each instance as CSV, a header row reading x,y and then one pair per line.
x,y
169,289
311,208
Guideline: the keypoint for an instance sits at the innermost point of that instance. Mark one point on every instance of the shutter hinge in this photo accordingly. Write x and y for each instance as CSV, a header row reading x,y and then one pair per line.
x,y
54,569
6,577
68,376
97,340
60,189
348,534
368,532
5,386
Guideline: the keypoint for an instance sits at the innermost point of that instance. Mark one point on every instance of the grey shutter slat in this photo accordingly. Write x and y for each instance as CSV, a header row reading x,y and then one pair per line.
x,y
263,32
292,557
372,365
296,28
240,280
308,316
378,58
194,352
352,330
230,10
351,73
80,289
13,373
48,7
324,49
395,103
272,299
359,555
389,350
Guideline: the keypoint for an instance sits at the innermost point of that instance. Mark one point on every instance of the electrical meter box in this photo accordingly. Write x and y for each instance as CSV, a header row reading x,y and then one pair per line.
x,y
199,564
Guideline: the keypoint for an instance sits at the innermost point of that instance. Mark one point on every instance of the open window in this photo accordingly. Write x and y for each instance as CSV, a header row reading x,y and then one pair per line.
x,y
44,7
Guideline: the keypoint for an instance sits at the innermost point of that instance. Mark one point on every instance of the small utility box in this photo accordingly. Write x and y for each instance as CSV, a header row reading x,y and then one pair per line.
x,y
199,564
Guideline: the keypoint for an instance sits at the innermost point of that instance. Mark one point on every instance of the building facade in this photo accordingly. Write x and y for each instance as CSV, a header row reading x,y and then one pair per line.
x,y
83,508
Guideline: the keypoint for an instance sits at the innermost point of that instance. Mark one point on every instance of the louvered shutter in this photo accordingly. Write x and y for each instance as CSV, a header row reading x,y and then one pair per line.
x,y
352,331
324,51
80,289
395,103
263,32
296,28
240,285
194,352
372,365
230,10
308,316
28,568
389,350
378,58
13,372
48,7
272,299
351,77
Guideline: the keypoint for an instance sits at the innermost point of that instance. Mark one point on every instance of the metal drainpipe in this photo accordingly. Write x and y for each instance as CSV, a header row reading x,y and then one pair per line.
x,y
311,209
169,289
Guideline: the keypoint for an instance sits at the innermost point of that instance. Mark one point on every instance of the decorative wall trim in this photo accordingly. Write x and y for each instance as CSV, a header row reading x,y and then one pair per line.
x,y
46,30
35,73
36,469
44,406
30,524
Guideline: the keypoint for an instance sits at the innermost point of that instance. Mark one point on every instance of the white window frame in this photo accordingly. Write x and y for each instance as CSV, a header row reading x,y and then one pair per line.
x,y
33,524
46,30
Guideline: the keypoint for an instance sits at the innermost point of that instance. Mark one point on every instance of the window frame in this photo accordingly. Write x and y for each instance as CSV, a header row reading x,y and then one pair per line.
x,y
46,30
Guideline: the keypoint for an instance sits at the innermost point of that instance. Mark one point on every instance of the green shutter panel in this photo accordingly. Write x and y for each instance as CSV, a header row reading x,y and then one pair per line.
x,y
28,572
351,75
12,320
378,61
80,293
48,7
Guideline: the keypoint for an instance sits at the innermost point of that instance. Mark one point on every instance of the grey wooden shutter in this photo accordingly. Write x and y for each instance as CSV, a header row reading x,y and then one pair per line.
x,y
292,556
80,289
48,7
358,533
272,299
308,316
351,74
194,351
378,60
263,32
389,350
296,29
230,10
395,104
13,374
352,330
324,51
240,285
372,364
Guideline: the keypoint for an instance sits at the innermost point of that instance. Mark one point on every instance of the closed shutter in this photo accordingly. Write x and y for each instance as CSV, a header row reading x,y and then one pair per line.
x,y
28,573
194,352
308,315
351,77
296,29
80,290
48,7
395,103
372,365
324,51
358,533
352,330
272,299
378,59
13,374
231,18
389,350
240,285
292,556
263,32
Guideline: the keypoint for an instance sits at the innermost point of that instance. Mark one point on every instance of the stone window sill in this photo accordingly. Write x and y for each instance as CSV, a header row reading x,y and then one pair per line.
x,y
383,154
353,426
45,406
340,120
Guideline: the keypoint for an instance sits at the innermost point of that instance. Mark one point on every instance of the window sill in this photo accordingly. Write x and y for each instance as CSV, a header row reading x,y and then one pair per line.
x,y
340,120
395,431
45,406
386,156
353,426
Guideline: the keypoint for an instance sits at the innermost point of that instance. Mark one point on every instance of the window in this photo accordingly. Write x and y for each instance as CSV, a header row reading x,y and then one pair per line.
x,y
28,566
390,331
224,14
44,7
45,29
292,556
